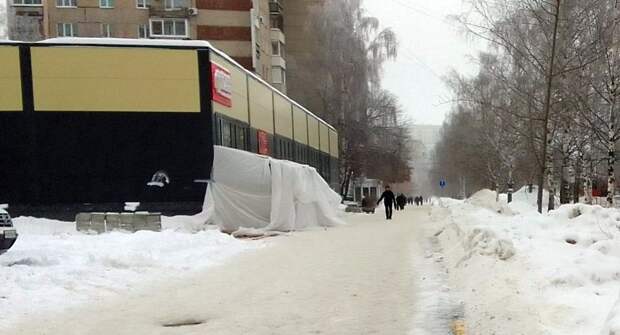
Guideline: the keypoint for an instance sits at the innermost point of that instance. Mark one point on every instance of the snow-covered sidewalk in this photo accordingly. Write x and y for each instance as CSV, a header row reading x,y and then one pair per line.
x,y
53,269
520,272
360,278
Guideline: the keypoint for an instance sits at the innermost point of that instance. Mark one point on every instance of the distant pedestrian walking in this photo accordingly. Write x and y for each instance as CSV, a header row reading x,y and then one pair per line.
x,y
401,200
388,201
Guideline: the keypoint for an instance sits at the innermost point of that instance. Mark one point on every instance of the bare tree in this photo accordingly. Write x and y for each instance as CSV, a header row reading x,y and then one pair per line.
x,y
548,87
372,128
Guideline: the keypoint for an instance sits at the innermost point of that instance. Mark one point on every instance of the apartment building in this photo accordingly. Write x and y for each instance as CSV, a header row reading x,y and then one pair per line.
x,y
301,48
250,31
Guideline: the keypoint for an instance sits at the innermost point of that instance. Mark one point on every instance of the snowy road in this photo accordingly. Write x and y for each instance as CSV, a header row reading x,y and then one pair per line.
x,y
354,279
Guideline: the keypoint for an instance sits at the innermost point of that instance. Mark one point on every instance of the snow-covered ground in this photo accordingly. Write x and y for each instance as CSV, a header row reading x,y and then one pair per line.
x,y
53,267
520,272
364,277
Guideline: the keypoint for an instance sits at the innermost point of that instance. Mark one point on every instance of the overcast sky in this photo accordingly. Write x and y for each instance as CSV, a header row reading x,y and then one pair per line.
x,y
2,19
430,45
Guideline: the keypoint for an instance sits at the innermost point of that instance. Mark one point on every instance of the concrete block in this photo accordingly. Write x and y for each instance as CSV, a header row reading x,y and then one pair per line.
x,y
97,223
113,221
82,222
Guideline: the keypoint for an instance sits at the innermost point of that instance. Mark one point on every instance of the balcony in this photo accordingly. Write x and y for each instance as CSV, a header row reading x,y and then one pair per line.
x,y
275,7
277,35
28,11
278,61
178,9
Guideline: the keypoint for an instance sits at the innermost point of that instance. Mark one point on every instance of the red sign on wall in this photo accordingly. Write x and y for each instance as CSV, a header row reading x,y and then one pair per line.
x,y
221,86
263,143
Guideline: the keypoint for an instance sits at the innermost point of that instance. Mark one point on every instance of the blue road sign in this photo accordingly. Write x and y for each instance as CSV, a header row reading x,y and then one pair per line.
x,y
442,183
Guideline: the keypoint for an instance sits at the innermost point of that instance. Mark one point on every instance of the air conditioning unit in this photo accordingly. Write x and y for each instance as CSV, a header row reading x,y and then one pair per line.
x,y
192,11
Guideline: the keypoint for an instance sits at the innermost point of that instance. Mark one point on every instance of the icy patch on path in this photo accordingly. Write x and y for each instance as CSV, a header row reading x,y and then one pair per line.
x,y
437,305
52,267
436,308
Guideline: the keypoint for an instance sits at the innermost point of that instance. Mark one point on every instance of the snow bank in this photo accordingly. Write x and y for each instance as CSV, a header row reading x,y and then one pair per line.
x,y
52,267
612,327
557,273
488,199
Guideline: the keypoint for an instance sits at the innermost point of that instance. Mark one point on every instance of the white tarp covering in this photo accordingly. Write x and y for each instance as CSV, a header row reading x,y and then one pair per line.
x,y
249,191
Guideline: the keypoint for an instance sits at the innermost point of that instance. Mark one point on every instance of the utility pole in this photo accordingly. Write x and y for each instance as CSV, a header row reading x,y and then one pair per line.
x,y
546,156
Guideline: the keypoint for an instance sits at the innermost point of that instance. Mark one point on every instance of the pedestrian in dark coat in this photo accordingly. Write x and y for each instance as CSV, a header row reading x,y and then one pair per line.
x,y
388,201
401,200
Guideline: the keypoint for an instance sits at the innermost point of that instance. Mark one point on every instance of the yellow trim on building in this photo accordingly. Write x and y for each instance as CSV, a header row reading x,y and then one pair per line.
x,y
333,143
300,124
313,132
324,137
92,79
261,106
284,116
10,80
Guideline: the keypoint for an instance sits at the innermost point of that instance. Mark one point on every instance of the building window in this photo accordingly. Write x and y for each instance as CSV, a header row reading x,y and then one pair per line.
x,y
67,29
66,3
278,75
176,4
144,4
168,28
27,3
143,31
277,48
106,3
106,30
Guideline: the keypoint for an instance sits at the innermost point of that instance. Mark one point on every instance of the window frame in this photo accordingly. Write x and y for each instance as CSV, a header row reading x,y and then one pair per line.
x,y
145,4
282,74
173,3
63,5
22,4
64,26
109,3
162,21
147,31
107,33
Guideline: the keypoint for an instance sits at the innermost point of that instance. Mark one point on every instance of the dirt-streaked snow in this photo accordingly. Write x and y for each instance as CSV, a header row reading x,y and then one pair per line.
x,y
521,272
53,268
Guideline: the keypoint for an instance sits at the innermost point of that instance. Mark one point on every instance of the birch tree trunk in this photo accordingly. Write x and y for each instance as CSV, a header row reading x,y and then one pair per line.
x,y
611,155
611,144
550,180
546,138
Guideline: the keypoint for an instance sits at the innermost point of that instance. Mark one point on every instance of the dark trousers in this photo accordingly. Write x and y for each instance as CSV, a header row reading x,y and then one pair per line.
x,y
388,211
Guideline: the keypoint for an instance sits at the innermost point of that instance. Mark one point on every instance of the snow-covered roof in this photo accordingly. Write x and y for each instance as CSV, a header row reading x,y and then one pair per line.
x,y
128,41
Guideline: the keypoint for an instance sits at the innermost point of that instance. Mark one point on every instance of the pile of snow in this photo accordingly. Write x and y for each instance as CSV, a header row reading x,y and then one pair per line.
x,y
52,267
612,326
488,199
525,272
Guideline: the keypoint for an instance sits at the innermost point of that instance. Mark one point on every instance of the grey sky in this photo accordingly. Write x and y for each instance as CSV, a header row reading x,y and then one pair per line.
x,y
430,45
3,19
